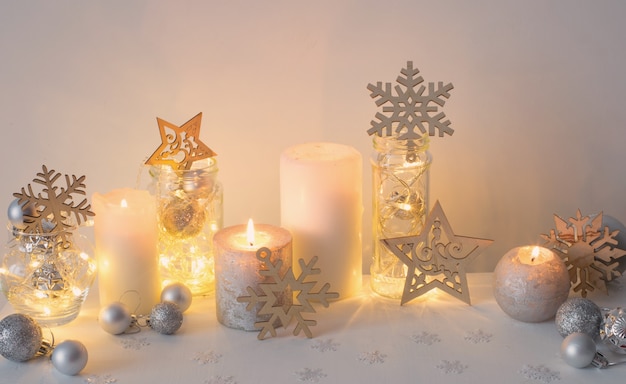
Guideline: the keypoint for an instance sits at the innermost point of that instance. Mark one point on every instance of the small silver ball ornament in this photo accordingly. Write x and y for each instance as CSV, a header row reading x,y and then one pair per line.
x,y
166,318
20,337
115,318
578,350
179,294
16,212
578,315
69,357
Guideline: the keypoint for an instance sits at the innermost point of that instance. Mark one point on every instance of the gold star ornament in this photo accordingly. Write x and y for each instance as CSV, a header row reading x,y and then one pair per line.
x,y
436,258
180,146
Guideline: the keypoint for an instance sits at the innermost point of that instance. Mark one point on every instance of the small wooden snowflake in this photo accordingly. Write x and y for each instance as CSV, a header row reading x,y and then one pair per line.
x,y
281,315
409,113
53,208
588,249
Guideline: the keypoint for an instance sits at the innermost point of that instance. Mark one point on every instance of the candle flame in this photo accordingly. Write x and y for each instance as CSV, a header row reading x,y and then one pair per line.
x,y
534,254
250,232
123,203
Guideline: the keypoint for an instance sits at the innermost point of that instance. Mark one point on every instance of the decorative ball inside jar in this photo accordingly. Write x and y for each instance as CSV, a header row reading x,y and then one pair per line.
x,y
530,283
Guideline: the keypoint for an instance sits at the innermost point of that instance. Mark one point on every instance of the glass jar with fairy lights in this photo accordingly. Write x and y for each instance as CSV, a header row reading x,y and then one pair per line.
x,y
400,167
189,201
48,267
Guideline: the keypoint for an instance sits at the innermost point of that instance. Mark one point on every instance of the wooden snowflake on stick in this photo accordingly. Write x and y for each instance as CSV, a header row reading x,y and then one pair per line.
x,y
282,315
180,146
409,113
589,251
53,209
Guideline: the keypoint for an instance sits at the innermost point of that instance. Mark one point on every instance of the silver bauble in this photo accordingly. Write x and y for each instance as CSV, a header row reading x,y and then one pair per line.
x,y
69,357
578,350
20,337
179,294
166,318
115,318
613,331
16,212
578,315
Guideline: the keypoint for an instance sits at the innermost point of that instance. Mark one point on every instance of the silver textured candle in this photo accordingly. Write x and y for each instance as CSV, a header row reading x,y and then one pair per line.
x,y
530,283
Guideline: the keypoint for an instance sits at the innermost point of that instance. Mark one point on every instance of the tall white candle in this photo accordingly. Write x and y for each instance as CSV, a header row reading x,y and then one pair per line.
x,y
321,204
126,246
237,268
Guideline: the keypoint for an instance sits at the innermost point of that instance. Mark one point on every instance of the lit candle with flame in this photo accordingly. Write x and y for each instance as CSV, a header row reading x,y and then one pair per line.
x,y
126,239
530,283
237,267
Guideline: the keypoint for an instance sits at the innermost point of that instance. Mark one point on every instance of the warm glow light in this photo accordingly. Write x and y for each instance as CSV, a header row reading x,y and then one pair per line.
x,y
84,256
250,232
46,311
534,254
40,295
76,291
123,203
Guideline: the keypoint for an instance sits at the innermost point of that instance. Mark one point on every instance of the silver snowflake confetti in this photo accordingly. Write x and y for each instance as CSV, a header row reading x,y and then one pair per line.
x,y
135,343
97,379
426,338
478,336
327,345
221,380
206,357
374,357
539,373
589,251
409,112
310,375
449,367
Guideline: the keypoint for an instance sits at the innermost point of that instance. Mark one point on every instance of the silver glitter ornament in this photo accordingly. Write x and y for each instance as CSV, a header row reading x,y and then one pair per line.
x,y
578,315
165,318
578,350
115,318
20,337
69,357
613,331
179,294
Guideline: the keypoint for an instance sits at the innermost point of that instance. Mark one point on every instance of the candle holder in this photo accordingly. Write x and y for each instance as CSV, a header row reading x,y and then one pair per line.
x,y
47,275
47,267
410,114
400,171
189,213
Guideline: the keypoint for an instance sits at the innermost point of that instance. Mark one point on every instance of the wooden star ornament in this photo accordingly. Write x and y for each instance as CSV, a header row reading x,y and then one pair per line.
x,y
436,258
180,146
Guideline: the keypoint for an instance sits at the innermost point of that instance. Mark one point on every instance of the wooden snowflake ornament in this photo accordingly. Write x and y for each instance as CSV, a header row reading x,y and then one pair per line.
x,y
282,315
408,113
589,251
180,146
53,209
436,258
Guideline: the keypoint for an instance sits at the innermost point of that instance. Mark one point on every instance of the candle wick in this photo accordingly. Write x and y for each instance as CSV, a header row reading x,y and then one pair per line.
x,y
532,259
251,244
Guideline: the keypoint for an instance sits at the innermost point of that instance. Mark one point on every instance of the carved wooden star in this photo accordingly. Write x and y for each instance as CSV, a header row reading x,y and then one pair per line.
x,y
436,258
180,146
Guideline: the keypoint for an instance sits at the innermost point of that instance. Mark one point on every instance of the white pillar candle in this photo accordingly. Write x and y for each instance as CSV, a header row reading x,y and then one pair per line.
x,y
237,268
125,229
530,283
321,204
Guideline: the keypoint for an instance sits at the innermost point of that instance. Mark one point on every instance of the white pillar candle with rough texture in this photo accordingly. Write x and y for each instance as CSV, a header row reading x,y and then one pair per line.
x,y
125,230
321,203
531,283
237,268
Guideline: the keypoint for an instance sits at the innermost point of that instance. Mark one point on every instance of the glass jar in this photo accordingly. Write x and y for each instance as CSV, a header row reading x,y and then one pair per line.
x,y
400,171
47,275
189,212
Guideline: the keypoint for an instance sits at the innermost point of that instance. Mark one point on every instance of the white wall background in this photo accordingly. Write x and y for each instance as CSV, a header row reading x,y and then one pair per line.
x,y
538,105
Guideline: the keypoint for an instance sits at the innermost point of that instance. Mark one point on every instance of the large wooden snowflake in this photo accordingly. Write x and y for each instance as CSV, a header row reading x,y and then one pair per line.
x,y
436,258
180,146
588,250
409,113
53,209
283,314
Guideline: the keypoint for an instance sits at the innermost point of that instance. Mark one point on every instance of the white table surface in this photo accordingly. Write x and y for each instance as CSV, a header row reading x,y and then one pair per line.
x,y
365,339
